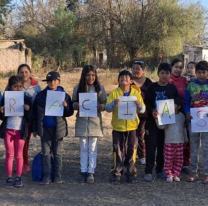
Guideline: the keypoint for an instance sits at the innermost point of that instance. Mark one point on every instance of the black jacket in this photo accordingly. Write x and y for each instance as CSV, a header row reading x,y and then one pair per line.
x,y
28,115
39,114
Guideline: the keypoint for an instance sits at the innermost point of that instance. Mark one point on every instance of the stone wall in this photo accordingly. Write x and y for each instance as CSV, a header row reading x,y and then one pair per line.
x,y
12,54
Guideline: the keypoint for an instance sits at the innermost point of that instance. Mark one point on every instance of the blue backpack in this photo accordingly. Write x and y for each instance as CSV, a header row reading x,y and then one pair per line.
x,y
37,168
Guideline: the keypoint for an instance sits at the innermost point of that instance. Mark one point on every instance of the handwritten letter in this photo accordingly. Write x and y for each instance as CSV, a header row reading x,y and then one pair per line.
x,y
199,123
127,107
166,110
54,103
14,103
88,104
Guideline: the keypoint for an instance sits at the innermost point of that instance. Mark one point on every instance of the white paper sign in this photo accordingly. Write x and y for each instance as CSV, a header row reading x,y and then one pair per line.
x,y
54,103
199,123
14,103
88,104
166,110
127,107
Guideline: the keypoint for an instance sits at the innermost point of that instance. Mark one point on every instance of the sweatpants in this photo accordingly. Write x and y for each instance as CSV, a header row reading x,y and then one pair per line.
x,y
195,139
88,154
141,138
154,141
173,154
51,147
14,149
124,152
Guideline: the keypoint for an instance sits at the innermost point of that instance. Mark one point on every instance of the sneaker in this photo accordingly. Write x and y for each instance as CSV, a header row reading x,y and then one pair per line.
x,y
45,181
147,177
90,178
161,175
83,177
131,179
177,179
17,182
186,170
143,161
115,179
9,182
25,169
169,179
57,179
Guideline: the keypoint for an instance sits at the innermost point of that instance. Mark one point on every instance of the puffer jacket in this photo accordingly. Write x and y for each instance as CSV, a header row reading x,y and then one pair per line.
x,y
39,114
90,126
28,115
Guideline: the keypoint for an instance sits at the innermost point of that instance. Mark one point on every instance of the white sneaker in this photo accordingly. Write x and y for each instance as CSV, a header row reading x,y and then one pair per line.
x,y
169,179
143,161
177,179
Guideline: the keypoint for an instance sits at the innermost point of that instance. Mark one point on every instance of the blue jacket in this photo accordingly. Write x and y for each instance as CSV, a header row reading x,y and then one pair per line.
x,y
39,114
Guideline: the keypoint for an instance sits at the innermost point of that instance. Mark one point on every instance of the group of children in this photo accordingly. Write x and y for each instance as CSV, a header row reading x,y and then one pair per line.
x,y
163,144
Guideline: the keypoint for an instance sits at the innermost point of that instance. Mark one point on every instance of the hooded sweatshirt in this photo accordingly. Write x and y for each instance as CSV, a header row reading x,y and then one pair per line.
x,y
180,83
196,95
33,89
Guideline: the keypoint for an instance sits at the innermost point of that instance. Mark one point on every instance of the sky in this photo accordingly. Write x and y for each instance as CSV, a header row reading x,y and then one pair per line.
x,y
204,3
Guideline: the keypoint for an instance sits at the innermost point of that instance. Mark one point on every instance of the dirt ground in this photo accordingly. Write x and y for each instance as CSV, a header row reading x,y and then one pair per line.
x,y
100,193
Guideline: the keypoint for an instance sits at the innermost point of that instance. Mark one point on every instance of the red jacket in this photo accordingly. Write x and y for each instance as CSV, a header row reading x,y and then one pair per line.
x,y
180,83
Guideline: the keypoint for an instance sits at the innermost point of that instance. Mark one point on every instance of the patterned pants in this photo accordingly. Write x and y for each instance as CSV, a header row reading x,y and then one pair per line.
x,y
173,154
141,139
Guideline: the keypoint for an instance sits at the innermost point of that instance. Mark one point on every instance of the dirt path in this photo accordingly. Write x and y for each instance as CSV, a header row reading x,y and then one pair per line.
x,y
102,193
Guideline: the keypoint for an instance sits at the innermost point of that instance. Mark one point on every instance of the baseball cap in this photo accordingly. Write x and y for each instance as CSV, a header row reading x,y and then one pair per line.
x,y
52,76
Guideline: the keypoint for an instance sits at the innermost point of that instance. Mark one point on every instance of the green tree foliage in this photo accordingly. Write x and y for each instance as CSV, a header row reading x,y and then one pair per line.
x,y
61,39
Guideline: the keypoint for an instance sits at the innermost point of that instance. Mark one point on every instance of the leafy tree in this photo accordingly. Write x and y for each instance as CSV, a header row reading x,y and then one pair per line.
x,y
61,39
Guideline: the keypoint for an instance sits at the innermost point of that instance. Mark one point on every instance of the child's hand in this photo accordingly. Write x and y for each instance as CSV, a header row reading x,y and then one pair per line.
x,y
26,107
76,105
138,103
99,106
64,103
116,101
188,116
155,114
2,109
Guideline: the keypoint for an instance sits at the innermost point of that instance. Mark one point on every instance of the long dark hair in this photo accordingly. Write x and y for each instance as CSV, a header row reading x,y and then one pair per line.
x,y
13,80
83,84
23,65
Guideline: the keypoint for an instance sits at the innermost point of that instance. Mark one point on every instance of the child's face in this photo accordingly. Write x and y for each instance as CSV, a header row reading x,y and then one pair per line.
x,y
164,76
191,70
25,74
125,80
90,78
177,69
17,86
137,71
202,75
53,84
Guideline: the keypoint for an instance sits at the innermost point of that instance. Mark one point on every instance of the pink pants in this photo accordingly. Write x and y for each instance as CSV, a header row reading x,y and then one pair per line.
x,y
14,148
173,154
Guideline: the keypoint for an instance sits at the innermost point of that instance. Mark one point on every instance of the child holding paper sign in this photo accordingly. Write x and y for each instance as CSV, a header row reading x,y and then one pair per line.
x,y
88,128
51,129
175,136
125,141
196,96
14,131
154,137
